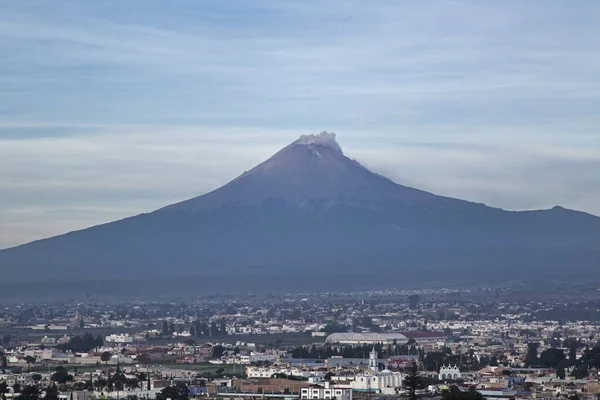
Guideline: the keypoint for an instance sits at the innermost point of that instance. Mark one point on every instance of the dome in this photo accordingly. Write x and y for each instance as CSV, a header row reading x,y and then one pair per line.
x,y
366,338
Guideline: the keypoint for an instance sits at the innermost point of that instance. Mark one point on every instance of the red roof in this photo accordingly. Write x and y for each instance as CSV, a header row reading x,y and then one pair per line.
x,y
423,335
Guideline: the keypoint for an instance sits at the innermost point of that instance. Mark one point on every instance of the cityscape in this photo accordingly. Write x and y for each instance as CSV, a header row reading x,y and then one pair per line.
x,y
303,346
299,200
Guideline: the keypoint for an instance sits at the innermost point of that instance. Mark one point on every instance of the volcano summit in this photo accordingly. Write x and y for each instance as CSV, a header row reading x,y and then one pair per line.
x,y
310,211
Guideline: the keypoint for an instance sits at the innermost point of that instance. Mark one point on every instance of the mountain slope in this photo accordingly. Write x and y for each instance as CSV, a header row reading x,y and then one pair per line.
x,y
311,210
300,173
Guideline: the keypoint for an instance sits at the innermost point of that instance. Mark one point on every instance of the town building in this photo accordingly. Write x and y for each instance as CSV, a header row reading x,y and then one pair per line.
x,y
355,338
325,392
448,372
375,381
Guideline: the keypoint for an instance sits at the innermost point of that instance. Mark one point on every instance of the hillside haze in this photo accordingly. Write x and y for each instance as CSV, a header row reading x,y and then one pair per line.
x,y
310,211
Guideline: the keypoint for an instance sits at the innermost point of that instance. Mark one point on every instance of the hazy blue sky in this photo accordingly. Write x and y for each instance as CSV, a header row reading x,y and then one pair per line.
x,y
112,108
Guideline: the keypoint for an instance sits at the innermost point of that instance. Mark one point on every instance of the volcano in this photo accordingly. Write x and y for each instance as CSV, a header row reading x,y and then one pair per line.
x,y
311,212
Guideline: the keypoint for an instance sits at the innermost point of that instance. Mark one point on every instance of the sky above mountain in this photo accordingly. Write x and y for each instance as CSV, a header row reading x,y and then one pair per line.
x,y
113,108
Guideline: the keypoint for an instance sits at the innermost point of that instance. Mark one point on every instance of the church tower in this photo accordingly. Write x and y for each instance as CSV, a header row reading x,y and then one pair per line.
x,y
373,362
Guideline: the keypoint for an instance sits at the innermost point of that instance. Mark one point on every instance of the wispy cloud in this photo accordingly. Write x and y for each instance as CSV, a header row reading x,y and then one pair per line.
x,y
114,108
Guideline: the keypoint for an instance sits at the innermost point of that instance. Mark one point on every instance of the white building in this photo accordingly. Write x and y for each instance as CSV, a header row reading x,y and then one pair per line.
x,y
326,392
268,372
48,341
258,357
448,372
119,338
367,338
253,357
45,354
384,382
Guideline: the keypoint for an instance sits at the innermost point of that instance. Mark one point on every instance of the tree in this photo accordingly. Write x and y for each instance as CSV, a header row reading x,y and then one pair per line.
x,y
177,392
435,359
81,344
30,392
591,357
571,342
413,381
106,356
580,372
551,357
214,330
413,301
165,328
29,360
531,358
561,368
61,375
3,362
132,383
117,380
333,327
217,351
3,388
201,328
141,377
100,383
454,393
98,342
573,352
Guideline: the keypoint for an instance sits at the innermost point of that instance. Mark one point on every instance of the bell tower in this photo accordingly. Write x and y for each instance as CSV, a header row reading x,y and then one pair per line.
x,y
373,361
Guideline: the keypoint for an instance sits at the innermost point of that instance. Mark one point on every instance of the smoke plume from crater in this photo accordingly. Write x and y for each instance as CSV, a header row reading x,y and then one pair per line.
x,y
324,139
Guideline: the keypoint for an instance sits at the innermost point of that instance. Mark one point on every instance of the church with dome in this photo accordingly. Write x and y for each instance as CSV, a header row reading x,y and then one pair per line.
x,y
376,381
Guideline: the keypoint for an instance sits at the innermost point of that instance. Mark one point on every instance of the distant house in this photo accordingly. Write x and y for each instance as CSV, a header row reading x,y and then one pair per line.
x,y
448,372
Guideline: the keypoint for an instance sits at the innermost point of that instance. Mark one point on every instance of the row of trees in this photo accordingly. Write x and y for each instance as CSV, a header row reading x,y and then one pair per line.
x,y
3,362
361,351
116,381
5,340
82,344
29,392
413,382
176,392
197,329
433,360
61,375
556,358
